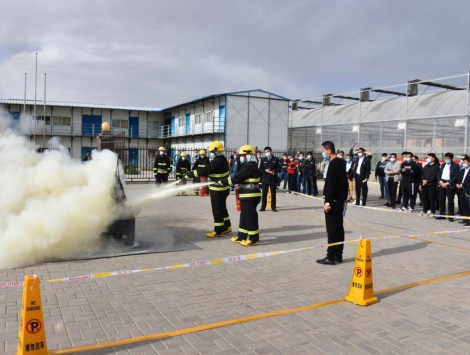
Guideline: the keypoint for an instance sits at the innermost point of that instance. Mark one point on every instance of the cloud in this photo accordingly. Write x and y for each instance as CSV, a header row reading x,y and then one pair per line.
x,y
157,53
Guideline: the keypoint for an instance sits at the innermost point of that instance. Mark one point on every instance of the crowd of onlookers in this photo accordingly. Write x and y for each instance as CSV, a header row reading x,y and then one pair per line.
x,y
404,180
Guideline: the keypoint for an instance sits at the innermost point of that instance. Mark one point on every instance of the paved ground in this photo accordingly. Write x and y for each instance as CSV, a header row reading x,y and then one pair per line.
x,y
427,319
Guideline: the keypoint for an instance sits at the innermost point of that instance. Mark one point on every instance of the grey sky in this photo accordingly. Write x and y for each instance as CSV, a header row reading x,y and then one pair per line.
x,y
159,53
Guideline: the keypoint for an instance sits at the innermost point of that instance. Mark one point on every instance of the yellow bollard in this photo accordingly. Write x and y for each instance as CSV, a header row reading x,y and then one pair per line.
x,y
269,198
32,331
361,291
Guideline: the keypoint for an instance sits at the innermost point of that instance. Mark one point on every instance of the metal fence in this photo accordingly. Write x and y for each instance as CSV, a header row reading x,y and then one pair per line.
x,y
138,162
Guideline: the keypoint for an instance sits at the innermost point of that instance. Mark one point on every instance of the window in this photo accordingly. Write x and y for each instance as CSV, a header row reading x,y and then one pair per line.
x,y
208,116
40,120
120,123
198,118
62,121
180,121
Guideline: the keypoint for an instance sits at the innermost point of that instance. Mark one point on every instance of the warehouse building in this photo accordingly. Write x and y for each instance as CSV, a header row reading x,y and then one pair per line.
x,y
421,116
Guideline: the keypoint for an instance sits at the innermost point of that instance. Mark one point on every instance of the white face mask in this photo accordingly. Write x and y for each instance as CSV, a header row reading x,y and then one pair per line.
x,y
183,158
202,155
212,155
383,158
309,157
267,154
162,153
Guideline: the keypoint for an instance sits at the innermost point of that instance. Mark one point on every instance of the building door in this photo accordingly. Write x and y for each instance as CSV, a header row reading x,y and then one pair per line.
x,y
134,157
173,126
133,127
188,124
91,125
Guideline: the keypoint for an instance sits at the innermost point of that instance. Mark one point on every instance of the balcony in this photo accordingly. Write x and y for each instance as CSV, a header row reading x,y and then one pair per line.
x,y
216,126
93,130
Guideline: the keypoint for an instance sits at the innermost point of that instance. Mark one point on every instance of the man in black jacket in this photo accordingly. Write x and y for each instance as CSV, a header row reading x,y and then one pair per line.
x,y
336,193
429,184
268,169
361,169
448,176
463,187
311,175
409,170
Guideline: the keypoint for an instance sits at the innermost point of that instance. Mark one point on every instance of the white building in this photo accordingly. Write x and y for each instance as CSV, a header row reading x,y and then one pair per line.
x,y
255,117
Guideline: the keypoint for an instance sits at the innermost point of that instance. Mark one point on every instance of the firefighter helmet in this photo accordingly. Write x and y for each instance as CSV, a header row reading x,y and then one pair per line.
x,y
216,146
202,152
161,149
184,154
246,149
105,127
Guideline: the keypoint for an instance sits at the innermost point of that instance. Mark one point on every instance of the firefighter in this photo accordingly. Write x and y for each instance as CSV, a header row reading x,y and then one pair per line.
x,y
182,167
248,179
161,166
216,170
201,162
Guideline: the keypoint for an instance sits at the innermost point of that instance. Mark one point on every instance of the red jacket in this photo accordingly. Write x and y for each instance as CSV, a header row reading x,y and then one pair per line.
x,y
292,167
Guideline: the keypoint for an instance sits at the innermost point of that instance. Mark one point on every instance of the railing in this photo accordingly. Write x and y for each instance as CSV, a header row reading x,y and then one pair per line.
x,y
88,131
216,126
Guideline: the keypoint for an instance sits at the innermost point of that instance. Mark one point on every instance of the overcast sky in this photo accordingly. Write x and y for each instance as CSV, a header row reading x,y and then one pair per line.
x,y
159,53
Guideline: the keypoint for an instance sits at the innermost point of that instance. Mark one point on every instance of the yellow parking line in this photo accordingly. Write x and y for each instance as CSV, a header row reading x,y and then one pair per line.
x,y
226,323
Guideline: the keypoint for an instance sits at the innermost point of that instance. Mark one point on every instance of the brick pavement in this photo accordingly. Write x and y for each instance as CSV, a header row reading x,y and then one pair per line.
x,y
427,319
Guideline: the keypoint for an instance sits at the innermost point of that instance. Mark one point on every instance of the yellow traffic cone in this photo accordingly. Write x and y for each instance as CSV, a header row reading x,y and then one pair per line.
x,y
268,205
361,291
32,332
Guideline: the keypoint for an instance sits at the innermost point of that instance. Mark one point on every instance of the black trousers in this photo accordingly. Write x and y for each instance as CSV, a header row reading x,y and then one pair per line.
x,y
429,198
361,187
335,230
392,191
161,178
409,194
292,180
312,188
463,201
449,195
219,210
249,227
264,200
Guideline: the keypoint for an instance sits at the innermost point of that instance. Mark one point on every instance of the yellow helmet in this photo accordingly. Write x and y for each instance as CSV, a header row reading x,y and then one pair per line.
x,y
216,146
161,149
246,149
184,154
105,127
202,151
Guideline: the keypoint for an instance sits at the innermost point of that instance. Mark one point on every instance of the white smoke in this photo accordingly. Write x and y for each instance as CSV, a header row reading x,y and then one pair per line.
x,y
51,205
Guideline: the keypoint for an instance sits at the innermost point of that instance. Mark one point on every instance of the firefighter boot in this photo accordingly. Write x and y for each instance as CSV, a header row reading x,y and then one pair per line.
x,y
228,230
213,235
249,243
237,240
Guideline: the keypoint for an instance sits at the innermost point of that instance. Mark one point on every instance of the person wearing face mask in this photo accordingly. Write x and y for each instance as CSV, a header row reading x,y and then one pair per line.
x,y
161,166
392,171
182,167
336,193
408,173
216,170
429,184
448,177
361,170
380,175
283,173
234,165
201,162
300,183
311,175
291,174
350,177
340,154
258,158
268,168
248,179
463,187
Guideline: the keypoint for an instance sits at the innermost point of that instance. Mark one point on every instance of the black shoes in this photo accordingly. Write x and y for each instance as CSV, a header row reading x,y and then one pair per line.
x,y
262,209
339,260
274,209
326,261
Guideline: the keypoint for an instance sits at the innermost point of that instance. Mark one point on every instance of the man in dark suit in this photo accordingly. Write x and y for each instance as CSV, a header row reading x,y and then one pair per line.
x,y
336,193
361,169
268,169
448,177
463,187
